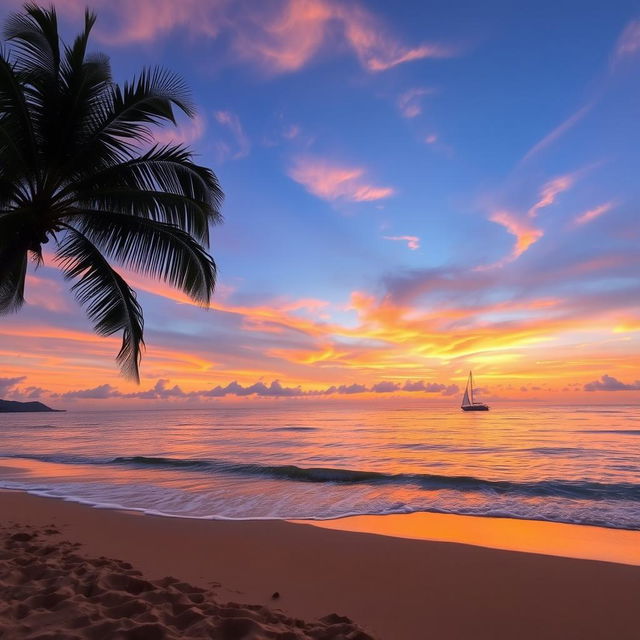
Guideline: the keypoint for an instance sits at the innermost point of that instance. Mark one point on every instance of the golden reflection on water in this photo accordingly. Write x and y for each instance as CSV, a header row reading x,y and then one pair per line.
x,y
532,536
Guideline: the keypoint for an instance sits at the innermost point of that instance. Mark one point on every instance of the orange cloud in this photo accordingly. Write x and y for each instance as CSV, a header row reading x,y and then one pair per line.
x,y
592,214
331,182
524,232
550,191
413,242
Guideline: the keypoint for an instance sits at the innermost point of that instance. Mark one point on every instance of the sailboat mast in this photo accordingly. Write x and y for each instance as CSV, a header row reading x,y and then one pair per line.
x,y
471,385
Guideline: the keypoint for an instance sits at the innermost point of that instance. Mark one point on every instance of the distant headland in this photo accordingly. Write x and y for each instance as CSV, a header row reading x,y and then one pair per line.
x,y
11,406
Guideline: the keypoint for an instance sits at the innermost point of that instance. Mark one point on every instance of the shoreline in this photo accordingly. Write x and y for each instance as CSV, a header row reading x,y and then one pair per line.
x,y
395,588
558,539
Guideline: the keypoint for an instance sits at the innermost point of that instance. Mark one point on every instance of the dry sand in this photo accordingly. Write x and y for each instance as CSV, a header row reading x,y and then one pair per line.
x,y
394,588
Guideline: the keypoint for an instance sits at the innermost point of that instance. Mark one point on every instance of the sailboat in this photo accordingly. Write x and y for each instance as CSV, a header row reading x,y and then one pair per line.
x,y
467,400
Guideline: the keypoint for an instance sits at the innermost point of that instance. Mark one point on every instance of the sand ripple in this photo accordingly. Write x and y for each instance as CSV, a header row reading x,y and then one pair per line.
x,y
49,590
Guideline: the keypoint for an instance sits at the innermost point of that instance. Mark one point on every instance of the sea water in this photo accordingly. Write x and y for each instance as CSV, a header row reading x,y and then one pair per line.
x,y
561,463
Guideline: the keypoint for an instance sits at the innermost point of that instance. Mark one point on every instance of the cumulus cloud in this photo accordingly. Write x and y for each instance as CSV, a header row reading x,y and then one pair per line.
x,y
101,392
332,182
163,391
609,383
8,385
160,391
385,387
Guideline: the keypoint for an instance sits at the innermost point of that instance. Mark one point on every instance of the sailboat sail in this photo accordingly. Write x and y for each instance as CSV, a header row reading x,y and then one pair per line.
x,y
465,399
468,403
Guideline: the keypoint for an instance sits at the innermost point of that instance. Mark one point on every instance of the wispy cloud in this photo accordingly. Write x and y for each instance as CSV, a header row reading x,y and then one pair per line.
x,y
520,224
628,43
239,144
410,103
332,182
279,37
148,20
289,39
525,233
558,132
592,214
413,242
186,133
549,192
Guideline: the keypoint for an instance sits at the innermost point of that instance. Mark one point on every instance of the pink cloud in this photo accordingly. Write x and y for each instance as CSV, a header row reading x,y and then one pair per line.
x,y
550,190
374,46
331,182
558,132
413,242
279,37
148,20
185,133
524,232
519,224
240,142
46,293
592,214
409,103
291,132
629,41
290,39
432,138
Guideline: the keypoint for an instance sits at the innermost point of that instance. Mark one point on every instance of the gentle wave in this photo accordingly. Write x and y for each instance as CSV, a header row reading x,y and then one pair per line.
x,y
573,489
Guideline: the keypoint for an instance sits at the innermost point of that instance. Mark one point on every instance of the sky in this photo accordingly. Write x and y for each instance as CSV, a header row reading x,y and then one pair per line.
x,y
413,190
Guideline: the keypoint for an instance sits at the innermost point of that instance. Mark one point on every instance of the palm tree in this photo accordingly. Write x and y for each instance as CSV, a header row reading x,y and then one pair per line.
x,y
78,167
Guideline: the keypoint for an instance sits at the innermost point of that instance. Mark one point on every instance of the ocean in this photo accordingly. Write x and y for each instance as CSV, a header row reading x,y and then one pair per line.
x,y
556,463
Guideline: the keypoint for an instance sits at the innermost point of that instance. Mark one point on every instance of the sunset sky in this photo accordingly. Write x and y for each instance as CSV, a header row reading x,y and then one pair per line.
x,y
413,190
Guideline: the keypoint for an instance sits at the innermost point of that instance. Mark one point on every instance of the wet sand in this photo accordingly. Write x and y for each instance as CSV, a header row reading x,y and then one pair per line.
x,y
393,588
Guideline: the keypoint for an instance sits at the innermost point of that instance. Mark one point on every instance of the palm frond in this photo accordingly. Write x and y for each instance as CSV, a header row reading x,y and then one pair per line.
x,y
13,271
35,35
109,301
16,129
152,248
163,184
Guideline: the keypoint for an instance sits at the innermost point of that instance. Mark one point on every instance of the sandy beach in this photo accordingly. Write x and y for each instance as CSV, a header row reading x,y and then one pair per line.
x,y
393,588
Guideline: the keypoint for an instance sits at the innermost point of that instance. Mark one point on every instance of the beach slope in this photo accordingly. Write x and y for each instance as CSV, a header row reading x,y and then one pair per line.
x,y
394,588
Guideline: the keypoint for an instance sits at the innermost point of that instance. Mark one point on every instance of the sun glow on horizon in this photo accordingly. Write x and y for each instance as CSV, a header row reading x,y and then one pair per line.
x,y
373,248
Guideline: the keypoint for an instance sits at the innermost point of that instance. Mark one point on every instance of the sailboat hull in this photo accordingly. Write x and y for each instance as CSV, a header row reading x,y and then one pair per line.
x,y
476,407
